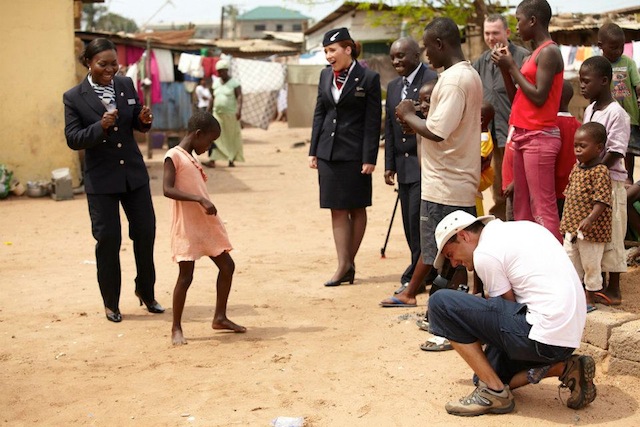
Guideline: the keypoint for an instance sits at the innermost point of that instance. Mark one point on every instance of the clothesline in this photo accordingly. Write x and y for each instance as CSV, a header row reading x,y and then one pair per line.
x,y
574,56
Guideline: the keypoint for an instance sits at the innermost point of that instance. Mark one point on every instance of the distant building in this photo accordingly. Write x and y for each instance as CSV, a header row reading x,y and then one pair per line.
x,y
253,24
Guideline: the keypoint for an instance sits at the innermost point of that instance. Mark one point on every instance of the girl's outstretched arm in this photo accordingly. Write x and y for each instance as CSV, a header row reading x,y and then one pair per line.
x,y
170,191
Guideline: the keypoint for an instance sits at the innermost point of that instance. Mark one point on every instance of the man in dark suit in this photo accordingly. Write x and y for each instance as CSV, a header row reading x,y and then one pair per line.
x,y
401,157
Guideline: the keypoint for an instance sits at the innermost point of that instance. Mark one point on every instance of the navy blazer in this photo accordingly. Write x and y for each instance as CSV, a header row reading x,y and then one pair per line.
x,y
348,130
113,162
400,150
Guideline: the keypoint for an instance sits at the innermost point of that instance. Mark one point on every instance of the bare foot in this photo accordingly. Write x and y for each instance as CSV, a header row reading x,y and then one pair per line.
x,y
177,338
227,324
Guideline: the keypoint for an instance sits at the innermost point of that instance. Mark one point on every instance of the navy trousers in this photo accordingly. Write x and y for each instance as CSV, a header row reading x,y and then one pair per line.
x,y
104,210
409,195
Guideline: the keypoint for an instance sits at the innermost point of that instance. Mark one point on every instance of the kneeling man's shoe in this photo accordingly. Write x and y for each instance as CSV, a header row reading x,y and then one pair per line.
x,y
578,377
483,401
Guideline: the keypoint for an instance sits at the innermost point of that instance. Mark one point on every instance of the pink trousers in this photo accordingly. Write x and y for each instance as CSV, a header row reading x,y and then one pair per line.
x,y
534,163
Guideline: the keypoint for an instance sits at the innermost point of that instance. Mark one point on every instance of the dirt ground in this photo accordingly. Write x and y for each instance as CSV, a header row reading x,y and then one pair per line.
x,y
330,355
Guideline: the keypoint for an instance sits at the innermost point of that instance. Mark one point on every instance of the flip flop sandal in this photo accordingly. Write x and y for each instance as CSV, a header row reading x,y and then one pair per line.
x,y
395,302
602,298
423,324
433,346
591,308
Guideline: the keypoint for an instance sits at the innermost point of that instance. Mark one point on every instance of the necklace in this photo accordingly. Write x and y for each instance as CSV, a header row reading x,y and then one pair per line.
x,y
194,161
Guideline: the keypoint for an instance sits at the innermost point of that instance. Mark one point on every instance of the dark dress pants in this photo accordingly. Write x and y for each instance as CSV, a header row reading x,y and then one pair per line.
x,y
104,210
410,205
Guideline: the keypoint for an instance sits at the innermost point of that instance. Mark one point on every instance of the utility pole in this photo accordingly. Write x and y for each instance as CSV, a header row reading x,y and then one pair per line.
x,y
222,23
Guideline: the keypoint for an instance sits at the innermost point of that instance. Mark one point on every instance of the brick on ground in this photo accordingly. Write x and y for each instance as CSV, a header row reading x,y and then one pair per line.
x,y
601,322
624,342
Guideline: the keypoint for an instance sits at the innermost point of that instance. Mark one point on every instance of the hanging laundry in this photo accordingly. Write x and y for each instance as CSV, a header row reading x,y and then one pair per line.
x,y
191,64
628,49
636,52
133,54
165,64
209,66
260,82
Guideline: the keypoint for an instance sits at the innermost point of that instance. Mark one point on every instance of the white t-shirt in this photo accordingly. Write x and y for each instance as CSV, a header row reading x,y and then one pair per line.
x,y
451,167
204,96
525,257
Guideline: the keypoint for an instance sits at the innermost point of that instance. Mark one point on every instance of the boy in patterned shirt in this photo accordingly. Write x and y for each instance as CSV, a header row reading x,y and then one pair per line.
x,y
587,212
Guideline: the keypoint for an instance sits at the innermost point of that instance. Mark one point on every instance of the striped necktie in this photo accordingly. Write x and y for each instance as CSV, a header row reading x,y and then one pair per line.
x,y
107,94
341,77
405,87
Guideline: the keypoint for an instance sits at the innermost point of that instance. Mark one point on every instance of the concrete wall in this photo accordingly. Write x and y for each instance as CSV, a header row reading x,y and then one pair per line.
x,y
38,66
245,29
360,28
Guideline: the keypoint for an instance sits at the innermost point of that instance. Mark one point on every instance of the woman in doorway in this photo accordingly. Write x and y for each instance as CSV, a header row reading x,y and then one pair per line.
x,y
344,145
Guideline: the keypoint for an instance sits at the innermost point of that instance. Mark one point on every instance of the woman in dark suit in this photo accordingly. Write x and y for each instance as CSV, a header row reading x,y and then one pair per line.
x,y
344,145
100,115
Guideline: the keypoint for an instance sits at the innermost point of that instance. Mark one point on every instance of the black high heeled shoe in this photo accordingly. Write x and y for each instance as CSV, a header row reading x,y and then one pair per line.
x,y
153,307
113,316
349,276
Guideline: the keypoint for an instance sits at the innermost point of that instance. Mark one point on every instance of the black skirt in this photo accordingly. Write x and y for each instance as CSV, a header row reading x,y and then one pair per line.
x,y
343,186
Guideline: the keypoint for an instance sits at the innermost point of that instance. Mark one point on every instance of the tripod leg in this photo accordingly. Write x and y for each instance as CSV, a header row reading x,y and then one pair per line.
x,y
386,240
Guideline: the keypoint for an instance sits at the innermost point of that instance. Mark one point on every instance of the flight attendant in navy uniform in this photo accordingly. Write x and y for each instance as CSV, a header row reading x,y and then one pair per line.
x,y
344,145
100,116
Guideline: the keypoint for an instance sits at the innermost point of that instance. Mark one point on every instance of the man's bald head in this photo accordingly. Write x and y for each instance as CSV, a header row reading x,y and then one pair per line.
x,y
405,55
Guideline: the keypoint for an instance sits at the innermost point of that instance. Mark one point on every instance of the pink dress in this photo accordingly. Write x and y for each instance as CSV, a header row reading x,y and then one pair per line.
x,y
193,233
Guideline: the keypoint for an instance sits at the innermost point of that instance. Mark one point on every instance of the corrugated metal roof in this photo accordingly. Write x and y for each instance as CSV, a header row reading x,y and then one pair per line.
x,y
573,22
290,37
173,36
240,48
271,13
255,45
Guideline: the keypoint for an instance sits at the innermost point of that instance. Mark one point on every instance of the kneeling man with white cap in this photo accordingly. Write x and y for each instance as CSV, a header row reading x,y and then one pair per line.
x,y
531,320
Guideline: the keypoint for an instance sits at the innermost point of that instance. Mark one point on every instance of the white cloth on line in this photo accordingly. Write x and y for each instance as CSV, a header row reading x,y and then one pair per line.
x,y
164,57
191,64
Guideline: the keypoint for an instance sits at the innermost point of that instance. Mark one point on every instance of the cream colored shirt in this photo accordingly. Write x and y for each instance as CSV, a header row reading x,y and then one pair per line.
x,y
451,167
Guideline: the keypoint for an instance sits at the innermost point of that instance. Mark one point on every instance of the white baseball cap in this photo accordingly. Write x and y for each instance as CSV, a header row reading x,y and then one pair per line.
x,y
450,225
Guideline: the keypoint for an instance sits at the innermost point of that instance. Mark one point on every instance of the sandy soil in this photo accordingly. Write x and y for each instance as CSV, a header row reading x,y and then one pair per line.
x,y
329,355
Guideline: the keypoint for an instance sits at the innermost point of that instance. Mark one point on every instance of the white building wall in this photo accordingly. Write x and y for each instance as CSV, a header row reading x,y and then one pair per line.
x,y
360,28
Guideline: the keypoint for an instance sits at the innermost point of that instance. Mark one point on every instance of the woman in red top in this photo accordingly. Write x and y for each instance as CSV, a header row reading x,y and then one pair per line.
x,y
536,138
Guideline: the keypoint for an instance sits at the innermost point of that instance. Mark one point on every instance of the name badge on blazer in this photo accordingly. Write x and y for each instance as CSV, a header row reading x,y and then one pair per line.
x,y
360,92
131,101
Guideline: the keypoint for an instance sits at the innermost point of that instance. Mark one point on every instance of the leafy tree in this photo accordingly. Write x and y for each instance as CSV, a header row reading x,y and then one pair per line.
x,y
98,18
91,12
417,13
113,22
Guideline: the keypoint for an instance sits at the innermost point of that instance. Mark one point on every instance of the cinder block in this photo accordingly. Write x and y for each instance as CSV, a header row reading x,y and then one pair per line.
x,y
623,367
624,342
600,324
597,353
